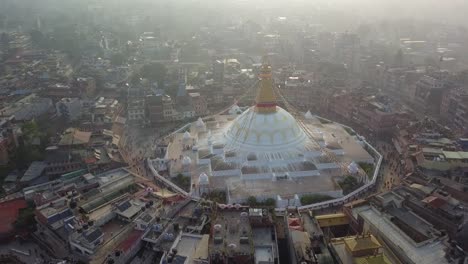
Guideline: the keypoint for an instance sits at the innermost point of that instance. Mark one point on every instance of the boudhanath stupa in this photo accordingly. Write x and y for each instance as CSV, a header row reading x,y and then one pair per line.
x,y
265,151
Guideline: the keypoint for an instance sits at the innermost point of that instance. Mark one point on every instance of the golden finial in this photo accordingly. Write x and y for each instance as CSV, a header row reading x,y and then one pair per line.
x,y
266,99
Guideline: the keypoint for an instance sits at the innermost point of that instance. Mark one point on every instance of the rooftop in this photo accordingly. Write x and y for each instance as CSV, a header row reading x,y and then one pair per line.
x,y
430,252
73,136
231,233
9,211
35,170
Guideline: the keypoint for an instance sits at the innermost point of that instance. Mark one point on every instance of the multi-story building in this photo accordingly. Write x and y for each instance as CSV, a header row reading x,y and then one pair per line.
x,y
429,94
69,108
198,104
358,249
62,161
87,86
347,51
28,108
299,91
168,108
59,90
86,241
218,71
454,109
8,141
367,112
154,108
136,111
243,235
409,238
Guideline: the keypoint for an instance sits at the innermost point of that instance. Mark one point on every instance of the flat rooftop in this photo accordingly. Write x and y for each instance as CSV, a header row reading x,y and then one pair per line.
x,y
231,230
427,253
187,245
265,248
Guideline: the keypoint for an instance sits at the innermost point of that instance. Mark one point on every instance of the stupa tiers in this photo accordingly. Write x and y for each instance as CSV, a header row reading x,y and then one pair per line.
x,y
264,151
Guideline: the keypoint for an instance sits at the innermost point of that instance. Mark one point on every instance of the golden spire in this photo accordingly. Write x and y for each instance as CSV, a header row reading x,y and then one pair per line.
x,y
266,99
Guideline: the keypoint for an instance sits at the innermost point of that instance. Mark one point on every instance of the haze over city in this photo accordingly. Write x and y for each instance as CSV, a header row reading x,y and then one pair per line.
x,y
234,131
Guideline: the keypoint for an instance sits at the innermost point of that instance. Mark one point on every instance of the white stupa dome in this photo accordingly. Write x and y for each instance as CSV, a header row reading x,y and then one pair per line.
x,y
353,168
187,136
308,115
186,160
200,123
203,179
257,131
265,127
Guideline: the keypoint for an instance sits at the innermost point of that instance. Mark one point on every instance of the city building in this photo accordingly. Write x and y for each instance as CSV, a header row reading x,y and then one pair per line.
x,y
218,71
358,249
155,108
27,108
86,241
8,140
136,111
198,104
430,92
231,238
409,237
69,108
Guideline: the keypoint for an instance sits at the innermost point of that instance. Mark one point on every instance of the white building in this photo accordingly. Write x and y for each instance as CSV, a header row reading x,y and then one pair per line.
x,y
136,110
86,241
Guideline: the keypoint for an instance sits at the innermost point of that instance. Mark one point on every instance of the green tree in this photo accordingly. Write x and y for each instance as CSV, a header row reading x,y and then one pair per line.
x,y
252,201
270,202
25,218
32,146
31,131
314,198
154,72
349,184
182,181
367,168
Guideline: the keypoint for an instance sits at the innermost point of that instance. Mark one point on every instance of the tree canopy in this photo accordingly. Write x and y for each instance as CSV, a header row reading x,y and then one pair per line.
x,y
154,72
314,198
349,184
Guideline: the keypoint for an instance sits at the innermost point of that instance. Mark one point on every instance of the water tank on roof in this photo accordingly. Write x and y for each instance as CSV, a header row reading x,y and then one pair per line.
x,y
232,246
157,227
168,236
186,161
